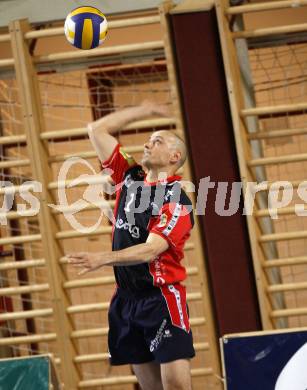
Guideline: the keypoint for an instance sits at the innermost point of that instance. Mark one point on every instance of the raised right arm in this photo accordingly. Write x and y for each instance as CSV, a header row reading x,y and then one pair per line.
x,y
101,131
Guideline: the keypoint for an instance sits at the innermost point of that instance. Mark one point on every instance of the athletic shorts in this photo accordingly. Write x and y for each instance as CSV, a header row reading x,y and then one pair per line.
x,y
149,327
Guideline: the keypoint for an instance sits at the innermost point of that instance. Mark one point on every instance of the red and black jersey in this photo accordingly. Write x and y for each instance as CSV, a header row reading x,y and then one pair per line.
x,y
141,208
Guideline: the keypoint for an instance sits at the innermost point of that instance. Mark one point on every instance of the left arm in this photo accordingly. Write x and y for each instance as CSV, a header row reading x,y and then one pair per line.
x,y
137,254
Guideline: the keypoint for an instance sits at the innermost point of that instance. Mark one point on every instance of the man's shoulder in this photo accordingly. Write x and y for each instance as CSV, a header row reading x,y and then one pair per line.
x,y
136,173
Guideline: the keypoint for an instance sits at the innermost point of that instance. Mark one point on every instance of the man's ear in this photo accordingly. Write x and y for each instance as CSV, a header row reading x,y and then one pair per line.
x,y
175,157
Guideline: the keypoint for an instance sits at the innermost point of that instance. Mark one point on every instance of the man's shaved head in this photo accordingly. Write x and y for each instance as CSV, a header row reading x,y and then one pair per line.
x,y
163,149
176,143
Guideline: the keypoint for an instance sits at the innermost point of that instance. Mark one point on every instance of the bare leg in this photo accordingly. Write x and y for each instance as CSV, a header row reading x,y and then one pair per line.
x,y
148,375
176,375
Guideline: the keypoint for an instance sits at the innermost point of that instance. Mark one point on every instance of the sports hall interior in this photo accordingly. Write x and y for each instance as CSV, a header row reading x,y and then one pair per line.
x,y
234,78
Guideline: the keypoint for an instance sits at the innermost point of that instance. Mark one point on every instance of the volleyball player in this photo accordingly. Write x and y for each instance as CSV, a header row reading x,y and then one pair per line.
x,y
148,320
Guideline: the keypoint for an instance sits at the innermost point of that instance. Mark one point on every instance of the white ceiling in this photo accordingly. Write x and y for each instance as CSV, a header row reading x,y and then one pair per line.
x,y
52,10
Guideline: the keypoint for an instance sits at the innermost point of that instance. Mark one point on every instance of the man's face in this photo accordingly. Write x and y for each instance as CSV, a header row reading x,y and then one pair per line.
x,y
157,151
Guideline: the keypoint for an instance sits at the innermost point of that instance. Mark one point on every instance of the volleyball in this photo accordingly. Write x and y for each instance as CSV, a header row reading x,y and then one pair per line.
x,y
86,27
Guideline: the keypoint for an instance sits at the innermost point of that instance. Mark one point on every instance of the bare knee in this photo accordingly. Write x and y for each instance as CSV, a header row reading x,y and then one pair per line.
x,y
171,383
148,376
176,375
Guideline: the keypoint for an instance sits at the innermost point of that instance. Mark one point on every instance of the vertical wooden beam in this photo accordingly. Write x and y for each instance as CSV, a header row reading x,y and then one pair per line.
x,y
236,101
34,124
165,8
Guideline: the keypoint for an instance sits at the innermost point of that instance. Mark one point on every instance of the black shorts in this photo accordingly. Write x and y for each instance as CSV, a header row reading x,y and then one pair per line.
x,y
149,327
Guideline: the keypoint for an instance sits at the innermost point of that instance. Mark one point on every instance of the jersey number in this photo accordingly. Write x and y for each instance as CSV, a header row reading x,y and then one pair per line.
x,y
127,208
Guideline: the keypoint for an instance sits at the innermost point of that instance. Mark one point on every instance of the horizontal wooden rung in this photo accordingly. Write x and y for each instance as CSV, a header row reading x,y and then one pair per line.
x,y
269,31
105,280
75,234
287,261
194,296
101,51
38,338
197,321
280,211
275,185
88,207
291,158
90,307
287,287
287,236
192,270
134,149
86,155
83,131
14,163
7,62
12,139
112,24
20,315
278,109
201,346
112,381
57,360
78,334
24,289
277,133
132,65
94,179
265,6
22,264
201,371
20,239
65,133
11,215
94,357
289,312
5,38
189,246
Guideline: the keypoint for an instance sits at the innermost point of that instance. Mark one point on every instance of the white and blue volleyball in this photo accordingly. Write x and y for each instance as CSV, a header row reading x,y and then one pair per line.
x,y
86,27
